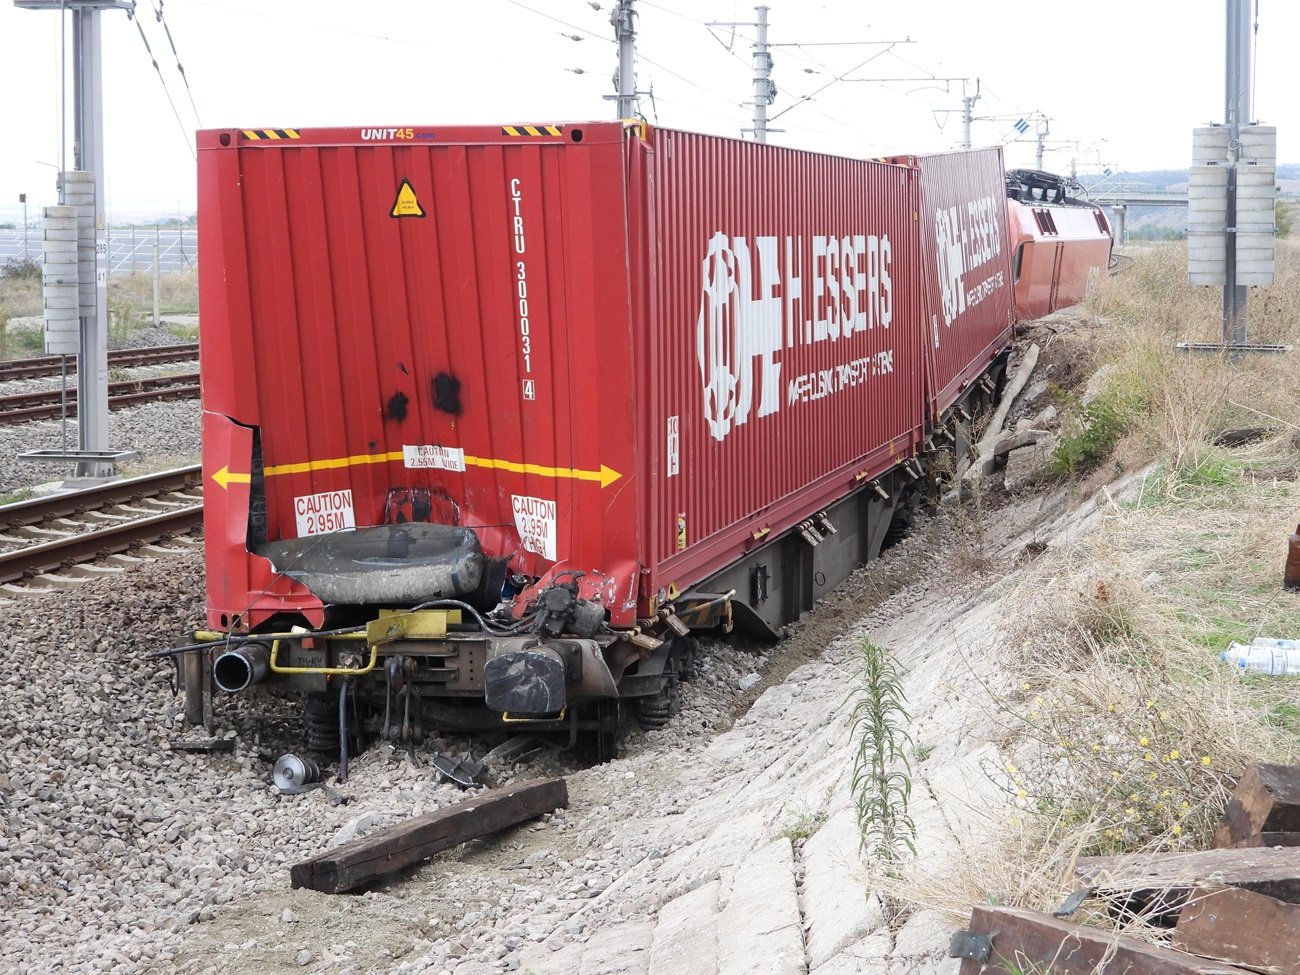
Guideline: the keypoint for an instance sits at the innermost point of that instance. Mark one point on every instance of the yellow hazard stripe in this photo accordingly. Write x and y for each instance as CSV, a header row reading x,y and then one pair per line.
x,y
258,134
533,130
333,463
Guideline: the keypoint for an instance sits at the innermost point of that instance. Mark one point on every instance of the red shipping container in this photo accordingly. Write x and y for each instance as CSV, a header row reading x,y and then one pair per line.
x,y
633,352
966,245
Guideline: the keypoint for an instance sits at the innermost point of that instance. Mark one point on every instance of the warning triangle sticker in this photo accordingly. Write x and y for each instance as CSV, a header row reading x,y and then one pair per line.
x,y
406,205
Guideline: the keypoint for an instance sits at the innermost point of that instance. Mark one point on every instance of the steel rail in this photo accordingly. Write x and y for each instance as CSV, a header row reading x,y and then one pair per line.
x,y
48,404
38,510
50,365
85,546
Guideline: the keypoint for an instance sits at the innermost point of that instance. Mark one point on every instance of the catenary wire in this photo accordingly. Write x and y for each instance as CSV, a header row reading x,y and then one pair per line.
x,y
565,23
158,12
810,96
189,144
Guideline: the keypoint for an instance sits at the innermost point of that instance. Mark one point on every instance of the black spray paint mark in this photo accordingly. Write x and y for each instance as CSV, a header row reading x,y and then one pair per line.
x,y
446,393
402,366
397,407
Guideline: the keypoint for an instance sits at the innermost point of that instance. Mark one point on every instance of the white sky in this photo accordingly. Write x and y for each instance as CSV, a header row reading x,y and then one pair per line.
x,y
1123,81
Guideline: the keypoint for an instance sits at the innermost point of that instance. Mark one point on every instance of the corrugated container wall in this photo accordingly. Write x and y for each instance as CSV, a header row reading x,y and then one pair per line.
x,y
784,352
965,239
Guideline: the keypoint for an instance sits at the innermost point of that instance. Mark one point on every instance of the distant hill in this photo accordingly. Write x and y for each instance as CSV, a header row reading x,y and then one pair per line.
x,y
1288,177
1165,223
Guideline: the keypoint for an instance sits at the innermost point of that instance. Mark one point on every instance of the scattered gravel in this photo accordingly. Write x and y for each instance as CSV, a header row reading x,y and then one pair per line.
x,y
165,433
112,846
144,336
149,336
118,855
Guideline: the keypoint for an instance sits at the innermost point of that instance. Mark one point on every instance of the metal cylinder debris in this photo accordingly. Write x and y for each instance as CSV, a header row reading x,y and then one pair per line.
x,y
292,771
239,669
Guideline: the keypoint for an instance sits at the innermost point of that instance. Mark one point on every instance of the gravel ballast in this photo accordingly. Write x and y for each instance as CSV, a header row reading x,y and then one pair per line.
x,y
119,855
166,434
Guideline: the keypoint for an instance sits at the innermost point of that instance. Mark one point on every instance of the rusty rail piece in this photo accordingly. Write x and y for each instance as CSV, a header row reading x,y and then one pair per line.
x,y
50,365
57,553
48,405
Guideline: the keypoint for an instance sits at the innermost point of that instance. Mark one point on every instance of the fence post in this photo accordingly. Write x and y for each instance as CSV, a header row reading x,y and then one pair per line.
x,y
156,320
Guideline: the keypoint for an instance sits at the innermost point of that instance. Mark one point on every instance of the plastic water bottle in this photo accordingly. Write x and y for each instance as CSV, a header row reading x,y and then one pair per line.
x,y
1264,641
1234,652
1270,660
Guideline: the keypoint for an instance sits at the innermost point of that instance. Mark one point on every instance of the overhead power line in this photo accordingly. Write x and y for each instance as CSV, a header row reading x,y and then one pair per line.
x,y
158,12
185,134
562,23
803,99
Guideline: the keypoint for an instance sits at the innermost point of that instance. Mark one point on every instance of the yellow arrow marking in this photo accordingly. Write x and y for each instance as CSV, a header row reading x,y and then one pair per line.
x,y
605,476
224,477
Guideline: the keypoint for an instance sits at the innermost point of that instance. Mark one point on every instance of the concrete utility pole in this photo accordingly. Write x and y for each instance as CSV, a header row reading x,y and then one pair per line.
x,y
22,198
967,114
1121,223
1044,126
764,90
1236,112
88,156
623,18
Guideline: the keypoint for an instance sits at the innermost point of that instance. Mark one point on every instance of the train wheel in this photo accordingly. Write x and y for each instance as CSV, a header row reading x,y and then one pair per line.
x,y
656,710
686,651
904,516
606,738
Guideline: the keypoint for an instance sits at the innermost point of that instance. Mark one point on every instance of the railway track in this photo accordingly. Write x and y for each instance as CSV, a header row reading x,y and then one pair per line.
x,y
52,365
53,533
46,405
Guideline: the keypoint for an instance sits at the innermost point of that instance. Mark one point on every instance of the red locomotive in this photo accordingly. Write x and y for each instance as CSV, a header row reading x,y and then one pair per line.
x,y
496,417
1062,242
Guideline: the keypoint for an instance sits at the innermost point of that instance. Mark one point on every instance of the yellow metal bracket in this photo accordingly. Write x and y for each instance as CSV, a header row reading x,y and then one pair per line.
x,y
328,671
507,719
424,624
392,625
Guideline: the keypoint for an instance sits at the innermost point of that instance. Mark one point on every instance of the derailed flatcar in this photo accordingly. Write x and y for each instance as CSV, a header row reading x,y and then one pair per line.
x,y
495,417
